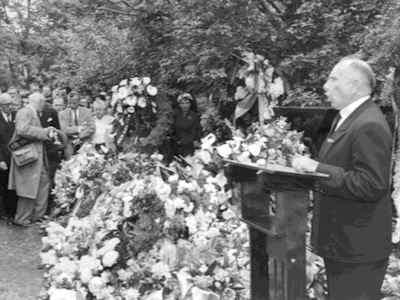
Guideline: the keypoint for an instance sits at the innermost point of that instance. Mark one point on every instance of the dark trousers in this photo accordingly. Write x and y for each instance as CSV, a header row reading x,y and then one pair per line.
x,y
8,199
355,281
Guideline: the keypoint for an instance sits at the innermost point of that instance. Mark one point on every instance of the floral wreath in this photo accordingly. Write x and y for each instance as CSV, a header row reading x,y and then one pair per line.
x,y
127,97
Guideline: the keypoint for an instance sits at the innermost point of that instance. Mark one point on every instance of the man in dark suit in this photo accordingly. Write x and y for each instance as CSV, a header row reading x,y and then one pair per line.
x,y
55,154
49,117
352,212
8,201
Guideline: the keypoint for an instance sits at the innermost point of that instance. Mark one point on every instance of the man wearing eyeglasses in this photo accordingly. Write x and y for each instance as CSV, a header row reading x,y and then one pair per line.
x,y
8,199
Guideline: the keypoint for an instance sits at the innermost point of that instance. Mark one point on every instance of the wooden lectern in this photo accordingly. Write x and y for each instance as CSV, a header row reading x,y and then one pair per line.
x,y
277,239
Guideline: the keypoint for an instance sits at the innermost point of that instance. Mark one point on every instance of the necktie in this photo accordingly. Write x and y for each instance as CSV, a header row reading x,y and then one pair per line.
x,y
8,118
76,118
334,124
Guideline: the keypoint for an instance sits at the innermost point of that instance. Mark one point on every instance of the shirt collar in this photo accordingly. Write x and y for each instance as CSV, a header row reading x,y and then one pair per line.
x,y
5,115
346,111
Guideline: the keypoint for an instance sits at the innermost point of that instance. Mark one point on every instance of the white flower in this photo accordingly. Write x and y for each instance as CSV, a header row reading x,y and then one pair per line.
x,y
146,80
244,157
85,274
241,93
109,245
229,214
110,258
191,223
110,225
123,82
160,269
188,208
124,275
208,141
123,92
151,90
130,294
203,268
49,257
131,100
276,89
63,294
222,275
170,208
255,149
179,203
250,83
135,81
224,150
142,102
114,89
95,285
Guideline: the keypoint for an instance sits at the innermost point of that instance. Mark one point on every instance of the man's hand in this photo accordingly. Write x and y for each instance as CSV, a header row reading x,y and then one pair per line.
x,y
304,164
3,166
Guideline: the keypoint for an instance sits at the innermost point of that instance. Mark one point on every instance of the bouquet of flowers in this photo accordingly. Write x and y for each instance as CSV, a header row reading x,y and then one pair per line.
x,y
271,143
128,97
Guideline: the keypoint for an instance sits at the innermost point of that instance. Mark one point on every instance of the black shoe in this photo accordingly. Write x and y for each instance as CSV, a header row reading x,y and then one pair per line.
x,y
26,225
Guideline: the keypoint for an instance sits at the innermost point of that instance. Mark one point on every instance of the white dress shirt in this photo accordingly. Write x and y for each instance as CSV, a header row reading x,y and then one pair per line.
x,y
103,127
6,117
349,109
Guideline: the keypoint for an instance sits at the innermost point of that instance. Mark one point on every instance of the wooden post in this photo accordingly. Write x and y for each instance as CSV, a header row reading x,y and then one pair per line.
x,y
277,239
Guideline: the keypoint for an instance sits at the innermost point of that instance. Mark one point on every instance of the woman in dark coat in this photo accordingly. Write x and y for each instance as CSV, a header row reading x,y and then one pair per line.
x,y
187,129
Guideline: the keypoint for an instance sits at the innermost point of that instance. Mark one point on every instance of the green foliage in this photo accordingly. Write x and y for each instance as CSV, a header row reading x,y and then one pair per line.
x,y
300,97
192,46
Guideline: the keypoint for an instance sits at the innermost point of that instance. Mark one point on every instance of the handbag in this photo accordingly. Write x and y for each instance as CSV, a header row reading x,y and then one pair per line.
x,y
23,151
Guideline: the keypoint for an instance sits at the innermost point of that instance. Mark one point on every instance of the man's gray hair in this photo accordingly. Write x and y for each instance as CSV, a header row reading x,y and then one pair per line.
x,y
363,68
4,97
34,99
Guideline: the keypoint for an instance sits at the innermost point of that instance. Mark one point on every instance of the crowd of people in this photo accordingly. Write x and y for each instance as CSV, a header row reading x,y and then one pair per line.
x,y
56,123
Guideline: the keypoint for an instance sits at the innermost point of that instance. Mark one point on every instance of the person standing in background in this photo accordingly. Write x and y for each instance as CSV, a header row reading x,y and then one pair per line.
x,y
47,93
77,123
31,181
85,102
13,92
58,104
187,129
33,88
8,199
101,139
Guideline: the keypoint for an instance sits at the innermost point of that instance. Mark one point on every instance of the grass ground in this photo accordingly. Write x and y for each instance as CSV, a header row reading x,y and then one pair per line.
x,y
20,278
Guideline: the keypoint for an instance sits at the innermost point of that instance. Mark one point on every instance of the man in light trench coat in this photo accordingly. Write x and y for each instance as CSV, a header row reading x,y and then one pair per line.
x,y
31,181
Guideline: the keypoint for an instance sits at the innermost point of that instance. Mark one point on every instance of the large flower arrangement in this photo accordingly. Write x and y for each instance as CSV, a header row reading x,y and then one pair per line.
x,y
129,98
150,239
260,84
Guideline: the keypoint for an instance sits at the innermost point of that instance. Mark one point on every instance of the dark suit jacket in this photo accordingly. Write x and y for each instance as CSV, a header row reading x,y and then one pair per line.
x,y
49,117
352,210
6,132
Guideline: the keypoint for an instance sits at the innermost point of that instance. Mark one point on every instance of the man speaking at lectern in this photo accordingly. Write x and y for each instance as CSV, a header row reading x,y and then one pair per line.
x,y
352,220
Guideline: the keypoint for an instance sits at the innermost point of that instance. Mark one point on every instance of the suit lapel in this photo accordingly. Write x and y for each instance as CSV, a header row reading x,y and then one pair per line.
x,y
342,130
2,120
